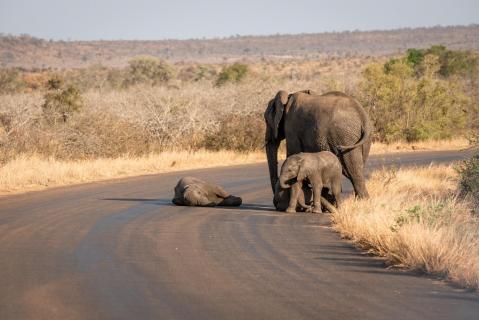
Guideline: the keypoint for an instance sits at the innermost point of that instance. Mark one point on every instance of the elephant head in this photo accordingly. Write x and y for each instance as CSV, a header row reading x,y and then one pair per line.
x,y
194,196
274,118
293,168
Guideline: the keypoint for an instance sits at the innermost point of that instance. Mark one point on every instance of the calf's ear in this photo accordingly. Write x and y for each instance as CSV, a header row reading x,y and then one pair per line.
x,y
303,173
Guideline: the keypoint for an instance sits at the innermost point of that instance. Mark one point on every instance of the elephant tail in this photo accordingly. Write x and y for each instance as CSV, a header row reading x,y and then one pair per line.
x,y
365,132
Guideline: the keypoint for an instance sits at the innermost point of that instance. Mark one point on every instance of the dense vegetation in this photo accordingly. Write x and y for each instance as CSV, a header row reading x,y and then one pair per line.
x,y
421,95
152,105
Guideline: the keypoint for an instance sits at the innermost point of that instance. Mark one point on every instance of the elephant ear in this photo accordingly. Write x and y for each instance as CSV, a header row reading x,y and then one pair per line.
x,y
275,111
303,173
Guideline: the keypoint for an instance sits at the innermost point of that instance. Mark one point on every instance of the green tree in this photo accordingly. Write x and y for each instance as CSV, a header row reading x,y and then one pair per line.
x,y
234,73
452,63
414,56
61,101
149,70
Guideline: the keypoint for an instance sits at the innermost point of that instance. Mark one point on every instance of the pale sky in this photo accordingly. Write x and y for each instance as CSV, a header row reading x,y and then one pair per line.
x,y
183,19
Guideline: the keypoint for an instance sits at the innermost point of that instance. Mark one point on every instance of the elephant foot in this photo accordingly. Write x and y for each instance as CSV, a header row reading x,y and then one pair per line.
x,y
317,209
308,209
291,210
231,201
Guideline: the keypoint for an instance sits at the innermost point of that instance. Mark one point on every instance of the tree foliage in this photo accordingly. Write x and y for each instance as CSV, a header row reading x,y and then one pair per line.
x,y
405,105
451,62
61,101
149,70
234,73
469,174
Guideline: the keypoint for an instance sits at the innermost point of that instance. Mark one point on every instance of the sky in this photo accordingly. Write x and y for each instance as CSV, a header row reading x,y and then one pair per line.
x,y
186,19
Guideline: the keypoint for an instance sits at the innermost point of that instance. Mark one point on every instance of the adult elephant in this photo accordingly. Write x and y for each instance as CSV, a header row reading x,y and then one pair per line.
x,y
309,122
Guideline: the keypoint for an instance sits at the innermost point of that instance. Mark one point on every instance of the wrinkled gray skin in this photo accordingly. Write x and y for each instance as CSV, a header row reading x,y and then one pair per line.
x,y
190,191
311,123
321,169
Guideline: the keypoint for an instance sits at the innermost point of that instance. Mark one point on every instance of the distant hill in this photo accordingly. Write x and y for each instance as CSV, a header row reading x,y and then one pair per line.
x,y
29,52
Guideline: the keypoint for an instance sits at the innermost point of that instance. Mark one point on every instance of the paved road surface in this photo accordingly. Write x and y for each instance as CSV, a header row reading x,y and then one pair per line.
x,y
120,250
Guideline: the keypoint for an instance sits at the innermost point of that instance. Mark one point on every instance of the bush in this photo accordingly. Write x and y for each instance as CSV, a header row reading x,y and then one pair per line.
x,y
237,132
403,105
451,62
61,102
10,81
233,73
469,175
149,70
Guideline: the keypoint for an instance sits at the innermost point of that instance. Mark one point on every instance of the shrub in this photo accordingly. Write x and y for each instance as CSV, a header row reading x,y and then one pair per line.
x,y
61,102
237,132
149,70
405,106
469,175
10,81
451,62
233,73
197,73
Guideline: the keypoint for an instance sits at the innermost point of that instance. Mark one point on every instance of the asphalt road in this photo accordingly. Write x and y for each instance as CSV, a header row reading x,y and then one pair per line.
x,y
120,250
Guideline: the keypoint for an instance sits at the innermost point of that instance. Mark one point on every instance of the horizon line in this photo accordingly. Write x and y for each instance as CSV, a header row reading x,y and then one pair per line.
x,y
472,24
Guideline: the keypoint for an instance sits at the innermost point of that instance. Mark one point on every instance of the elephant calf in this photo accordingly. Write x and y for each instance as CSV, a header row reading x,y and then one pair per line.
x,y
322,169
190,191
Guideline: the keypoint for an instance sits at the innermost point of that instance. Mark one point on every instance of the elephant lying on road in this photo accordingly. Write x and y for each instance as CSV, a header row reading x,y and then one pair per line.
x,y
309,122
321,169
190,191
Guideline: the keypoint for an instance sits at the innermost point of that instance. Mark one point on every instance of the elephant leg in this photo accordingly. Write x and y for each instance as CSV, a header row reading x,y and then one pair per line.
x,y
336,190
353,164
325,194
293,199
317,188
301,201
231,201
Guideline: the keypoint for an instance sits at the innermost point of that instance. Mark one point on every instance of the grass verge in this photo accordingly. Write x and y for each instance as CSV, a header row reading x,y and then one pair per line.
x,y
36,173
415,220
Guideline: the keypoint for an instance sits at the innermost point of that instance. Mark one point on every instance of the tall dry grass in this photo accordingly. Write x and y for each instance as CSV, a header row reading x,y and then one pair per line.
x,y
456,143
414,219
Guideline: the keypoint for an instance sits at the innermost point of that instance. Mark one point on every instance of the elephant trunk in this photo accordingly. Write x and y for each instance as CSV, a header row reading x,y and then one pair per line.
x,y
283,184
272,146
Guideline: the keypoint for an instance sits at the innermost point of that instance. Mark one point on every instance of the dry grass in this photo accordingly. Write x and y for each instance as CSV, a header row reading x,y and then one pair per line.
x,y
35,173
27,173
428,145
415,220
